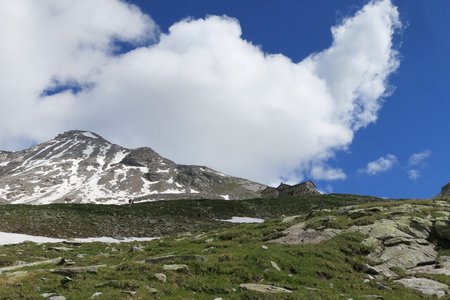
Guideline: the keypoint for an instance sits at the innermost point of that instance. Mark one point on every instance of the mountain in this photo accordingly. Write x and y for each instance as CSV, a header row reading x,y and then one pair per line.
x,y
82,167
445,192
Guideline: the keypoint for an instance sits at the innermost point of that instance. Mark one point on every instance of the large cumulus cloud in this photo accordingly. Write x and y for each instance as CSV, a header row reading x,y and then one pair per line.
x,y
200,93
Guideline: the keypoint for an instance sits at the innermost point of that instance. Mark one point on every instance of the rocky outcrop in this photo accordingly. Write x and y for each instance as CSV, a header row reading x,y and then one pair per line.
x,y
304,188
445,192
298,234
402,236
426,286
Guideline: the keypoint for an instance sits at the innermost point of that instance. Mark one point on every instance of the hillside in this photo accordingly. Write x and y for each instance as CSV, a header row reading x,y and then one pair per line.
x,y
362,250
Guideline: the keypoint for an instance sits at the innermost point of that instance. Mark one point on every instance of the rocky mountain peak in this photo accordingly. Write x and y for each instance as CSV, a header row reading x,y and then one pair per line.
x,y
445,192
81,166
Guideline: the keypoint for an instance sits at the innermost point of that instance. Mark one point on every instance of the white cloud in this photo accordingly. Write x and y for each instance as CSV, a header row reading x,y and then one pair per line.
x,y
380,165
416,163
323,172
201,94
414,174
418,159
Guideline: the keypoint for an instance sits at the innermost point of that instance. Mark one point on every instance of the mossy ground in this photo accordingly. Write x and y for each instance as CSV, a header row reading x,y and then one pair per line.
x,y
233,256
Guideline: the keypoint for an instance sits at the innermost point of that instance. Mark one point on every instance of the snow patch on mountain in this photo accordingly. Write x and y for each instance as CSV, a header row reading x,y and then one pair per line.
x,y
82,167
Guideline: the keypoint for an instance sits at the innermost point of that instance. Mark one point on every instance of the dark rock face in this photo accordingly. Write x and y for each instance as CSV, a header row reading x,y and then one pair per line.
x,y
80,166
445,192
304,188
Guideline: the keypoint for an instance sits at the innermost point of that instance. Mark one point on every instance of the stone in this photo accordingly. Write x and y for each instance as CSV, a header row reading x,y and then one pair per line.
x,y
382,230
151,290
177,268
264,247
47,295
275,266
297,234
369,269
263,288
160,276
441,267
55,261
171,258
96,294
60,249
381,286
442,229
57,298
131,293
405,256
137,249
397,240
425,286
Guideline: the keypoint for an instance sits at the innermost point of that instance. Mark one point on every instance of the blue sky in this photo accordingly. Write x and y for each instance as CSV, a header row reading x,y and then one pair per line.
x,y
266,93
415,118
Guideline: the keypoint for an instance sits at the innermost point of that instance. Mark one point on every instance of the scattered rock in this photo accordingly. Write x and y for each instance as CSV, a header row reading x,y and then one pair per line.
x,y
68,262
381,286
425,286
161,276
61,249
151,290
263,288
55,261
137,249
275,266
57,298
171,258
96,294
178,268
369,269
47,295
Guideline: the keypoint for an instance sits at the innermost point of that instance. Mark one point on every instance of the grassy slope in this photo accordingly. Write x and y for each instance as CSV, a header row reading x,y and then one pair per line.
x,y
233,256
234,253
154,218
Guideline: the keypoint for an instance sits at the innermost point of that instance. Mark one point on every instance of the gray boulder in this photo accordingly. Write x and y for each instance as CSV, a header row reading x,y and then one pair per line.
x,y
425,286
263,288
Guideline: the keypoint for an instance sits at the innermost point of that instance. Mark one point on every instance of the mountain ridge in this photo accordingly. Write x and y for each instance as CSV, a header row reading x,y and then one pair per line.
x,y
80,166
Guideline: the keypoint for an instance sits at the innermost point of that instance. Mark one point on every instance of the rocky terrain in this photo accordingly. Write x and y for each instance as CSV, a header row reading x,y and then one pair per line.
x,y
366,250
82,167
445,192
